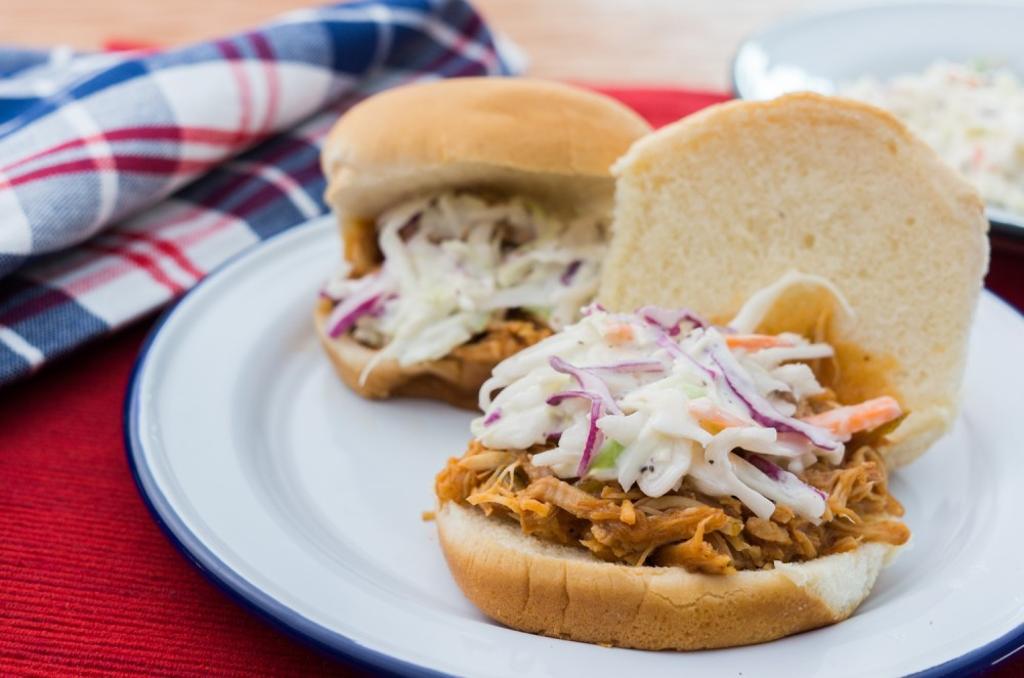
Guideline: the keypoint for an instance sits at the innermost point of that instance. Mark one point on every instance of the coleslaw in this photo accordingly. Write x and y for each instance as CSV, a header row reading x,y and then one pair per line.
x,y
455,262
657,396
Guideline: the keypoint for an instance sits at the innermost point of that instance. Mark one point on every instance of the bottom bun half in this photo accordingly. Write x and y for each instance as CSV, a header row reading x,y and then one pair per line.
x,y
446,379
455,378
563,592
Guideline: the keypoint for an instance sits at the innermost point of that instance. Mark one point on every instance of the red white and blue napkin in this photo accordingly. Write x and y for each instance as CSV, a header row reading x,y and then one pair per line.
x,y
126,177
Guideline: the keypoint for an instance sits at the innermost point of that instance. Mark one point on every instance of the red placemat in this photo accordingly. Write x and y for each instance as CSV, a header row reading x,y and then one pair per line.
x,y
90,586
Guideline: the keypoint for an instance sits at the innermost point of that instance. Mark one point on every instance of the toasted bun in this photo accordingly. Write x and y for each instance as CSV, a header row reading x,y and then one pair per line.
x,y
564,592
718,205
549,140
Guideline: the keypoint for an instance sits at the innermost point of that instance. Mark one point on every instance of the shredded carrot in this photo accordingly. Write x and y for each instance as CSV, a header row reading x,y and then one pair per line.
x,y
619,333
755,342
707,413
850,419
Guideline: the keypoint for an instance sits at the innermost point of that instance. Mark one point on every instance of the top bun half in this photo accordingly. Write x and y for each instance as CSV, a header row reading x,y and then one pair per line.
x,y
721,204
547,140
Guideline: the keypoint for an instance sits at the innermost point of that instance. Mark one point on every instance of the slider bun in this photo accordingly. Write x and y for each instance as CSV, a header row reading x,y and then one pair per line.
x,y
552,141
565,592
720,204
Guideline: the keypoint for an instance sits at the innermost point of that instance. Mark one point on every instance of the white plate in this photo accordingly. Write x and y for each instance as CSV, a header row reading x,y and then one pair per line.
x,y
819,51
304,501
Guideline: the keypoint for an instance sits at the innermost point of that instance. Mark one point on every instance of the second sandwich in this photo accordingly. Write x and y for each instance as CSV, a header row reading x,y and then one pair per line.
x,y
473,215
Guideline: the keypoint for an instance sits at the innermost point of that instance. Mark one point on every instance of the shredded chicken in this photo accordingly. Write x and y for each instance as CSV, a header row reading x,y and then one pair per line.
x,y
501,339
359,238
684,528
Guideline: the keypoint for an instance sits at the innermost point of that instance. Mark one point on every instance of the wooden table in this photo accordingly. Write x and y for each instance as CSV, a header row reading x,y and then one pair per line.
x,y
661,42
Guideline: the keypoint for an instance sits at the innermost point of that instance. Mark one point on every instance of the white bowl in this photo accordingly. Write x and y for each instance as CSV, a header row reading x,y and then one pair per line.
x,y
818,51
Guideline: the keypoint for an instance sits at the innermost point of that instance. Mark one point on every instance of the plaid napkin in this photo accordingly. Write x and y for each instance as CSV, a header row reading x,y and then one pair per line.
x,y
126,177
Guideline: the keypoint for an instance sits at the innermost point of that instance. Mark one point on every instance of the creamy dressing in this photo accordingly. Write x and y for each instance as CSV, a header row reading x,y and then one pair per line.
x,y
617,397
455,262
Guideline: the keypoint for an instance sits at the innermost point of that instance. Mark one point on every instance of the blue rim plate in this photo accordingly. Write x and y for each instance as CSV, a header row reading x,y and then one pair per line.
x,y
248,452
817,50
206,561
